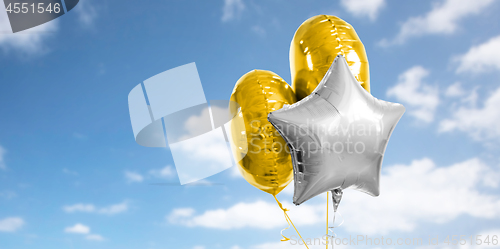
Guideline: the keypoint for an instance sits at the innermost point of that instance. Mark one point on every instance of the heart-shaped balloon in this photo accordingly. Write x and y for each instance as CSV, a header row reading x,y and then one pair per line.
x,y
267,164
315,45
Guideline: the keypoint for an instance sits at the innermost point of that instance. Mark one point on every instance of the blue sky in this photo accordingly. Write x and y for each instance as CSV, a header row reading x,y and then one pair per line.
x,y
72,176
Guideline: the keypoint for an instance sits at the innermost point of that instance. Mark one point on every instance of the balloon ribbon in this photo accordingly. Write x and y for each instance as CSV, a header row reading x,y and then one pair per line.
x,y
289,222
336,197
327,200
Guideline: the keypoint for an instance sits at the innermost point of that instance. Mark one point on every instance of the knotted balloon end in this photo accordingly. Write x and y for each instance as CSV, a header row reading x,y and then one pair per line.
x,y
289,221
336,198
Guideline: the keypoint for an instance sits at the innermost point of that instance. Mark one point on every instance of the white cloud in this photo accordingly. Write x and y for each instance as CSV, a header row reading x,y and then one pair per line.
x,y
200,156
293,243
90,208
232,9
166,172
199,247
454,90
86,208
31,41
363,8
78,228
131,176
84,230
260,31
444,18
422,99
418,192
259,214
87,12
94,237
480,58
11,224
114,209
180,213
2,158
423,192
479,122
194,125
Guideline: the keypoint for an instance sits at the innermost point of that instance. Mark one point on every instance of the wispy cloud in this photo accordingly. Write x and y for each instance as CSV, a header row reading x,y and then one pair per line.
x,y
27,42
454,90
87,12
114,209
422,99
363,8
94,237
77,228
293,243
3,166
166,173
91,208
86,208
11,224
423,192
419,192
259,214
69,172
132,176
205,151
80,136
232,10
481,123
444,18
260,31
83,230
480,58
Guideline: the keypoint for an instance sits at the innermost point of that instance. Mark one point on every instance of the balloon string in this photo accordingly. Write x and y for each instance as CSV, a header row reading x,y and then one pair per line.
x,y
331,229
289,222
327,200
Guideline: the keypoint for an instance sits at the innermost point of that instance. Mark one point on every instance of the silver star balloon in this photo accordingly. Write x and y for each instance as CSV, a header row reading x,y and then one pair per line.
x,y
337,136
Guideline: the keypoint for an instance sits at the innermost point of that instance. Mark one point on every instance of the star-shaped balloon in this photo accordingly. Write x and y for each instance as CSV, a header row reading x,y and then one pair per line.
x,y
337,136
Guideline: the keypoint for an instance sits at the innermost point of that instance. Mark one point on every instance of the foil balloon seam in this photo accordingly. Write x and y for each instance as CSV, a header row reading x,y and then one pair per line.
x,y
336,35
262,92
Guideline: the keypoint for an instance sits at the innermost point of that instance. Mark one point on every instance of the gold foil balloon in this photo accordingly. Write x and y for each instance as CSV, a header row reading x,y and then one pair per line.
x,y
267,164
315,45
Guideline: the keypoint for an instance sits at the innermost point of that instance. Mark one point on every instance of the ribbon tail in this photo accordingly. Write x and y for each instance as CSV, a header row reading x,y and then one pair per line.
x,y
289,223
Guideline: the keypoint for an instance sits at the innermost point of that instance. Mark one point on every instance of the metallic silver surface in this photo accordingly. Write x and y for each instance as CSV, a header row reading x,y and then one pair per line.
x,y
337,135
336,198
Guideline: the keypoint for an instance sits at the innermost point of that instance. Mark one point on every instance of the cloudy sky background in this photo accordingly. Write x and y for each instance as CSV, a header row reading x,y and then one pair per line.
x,y
72,176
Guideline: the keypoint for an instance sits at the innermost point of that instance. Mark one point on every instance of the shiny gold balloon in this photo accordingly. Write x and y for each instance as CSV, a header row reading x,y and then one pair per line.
x,y
267,164
314,47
